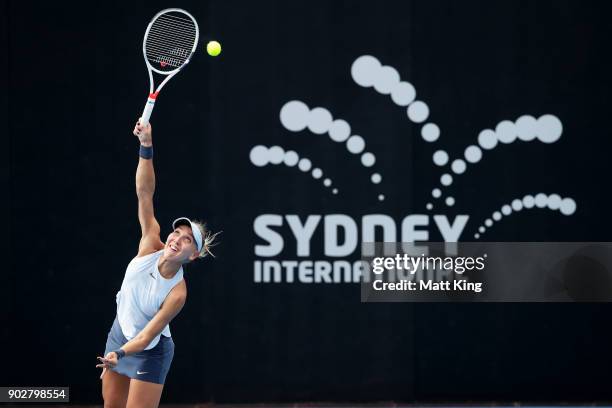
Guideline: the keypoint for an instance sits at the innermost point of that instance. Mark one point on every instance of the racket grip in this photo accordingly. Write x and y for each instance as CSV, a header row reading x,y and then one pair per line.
x,y
148,109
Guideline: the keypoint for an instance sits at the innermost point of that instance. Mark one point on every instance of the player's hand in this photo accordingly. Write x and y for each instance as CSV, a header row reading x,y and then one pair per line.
x,y
109,361
143,133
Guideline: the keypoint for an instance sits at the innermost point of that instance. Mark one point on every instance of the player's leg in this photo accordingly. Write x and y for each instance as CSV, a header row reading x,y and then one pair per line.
x,y
144,394
115,389
151,368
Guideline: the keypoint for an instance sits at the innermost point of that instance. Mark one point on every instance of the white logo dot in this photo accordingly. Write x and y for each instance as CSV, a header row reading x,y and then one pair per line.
x,y
294,116
487,139
506,131
355,144
365,70
458,166
386,80
446,179
259,155
440,158
549,128
368,159
473,154
430,132
568,206
418,111
291,158
339,130
276,154
403,93
304,165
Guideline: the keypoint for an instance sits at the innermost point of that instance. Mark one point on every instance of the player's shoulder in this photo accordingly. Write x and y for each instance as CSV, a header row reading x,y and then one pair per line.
x,y
149,244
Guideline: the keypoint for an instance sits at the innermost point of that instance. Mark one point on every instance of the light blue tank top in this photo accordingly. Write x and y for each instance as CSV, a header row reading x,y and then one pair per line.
x,y
142,293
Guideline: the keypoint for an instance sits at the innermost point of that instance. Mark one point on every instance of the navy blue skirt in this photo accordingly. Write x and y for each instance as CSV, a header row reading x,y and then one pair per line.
x,y
148,365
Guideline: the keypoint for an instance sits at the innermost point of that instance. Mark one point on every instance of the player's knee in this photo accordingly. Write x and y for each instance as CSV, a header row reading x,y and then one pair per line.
x,y
113,405
110,402
114,391
113,401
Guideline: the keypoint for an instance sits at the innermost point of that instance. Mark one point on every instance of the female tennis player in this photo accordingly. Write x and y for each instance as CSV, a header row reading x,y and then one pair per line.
x,y
139,348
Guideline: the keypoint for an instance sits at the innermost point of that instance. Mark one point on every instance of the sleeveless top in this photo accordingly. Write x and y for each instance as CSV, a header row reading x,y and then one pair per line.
x,y
142,293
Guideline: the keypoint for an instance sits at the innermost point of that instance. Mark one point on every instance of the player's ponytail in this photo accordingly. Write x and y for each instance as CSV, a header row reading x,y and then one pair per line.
x,y
210,240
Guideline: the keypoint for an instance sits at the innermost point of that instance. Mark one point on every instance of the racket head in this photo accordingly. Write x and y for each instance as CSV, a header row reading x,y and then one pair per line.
x,y
170,40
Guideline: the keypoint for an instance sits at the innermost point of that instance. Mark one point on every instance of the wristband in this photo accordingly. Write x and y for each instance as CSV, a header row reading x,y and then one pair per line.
x,y
146,152
120,353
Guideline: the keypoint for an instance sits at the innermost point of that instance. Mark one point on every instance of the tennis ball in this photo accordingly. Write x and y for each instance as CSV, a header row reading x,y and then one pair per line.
x,y
213,48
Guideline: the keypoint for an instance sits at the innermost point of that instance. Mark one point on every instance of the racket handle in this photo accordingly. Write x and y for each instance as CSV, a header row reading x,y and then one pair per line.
x,y
148,109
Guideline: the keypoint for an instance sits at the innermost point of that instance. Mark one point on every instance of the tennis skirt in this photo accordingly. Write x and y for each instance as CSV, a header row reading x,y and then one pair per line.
x,y
148,365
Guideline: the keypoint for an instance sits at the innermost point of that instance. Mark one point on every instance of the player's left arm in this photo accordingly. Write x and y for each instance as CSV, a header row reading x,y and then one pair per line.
x,y
172,305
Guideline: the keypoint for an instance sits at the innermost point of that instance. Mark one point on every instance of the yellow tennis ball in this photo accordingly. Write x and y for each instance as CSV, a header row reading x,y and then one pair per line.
x,y
213,48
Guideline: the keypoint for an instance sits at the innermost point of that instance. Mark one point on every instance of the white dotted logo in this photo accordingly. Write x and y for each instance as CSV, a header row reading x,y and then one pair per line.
x,y
367,71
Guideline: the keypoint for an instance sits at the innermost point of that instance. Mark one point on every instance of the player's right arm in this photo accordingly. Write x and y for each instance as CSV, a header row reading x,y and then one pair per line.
x,y
145,188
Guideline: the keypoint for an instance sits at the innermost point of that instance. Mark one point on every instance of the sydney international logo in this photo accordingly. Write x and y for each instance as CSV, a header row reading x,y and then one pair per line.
x,y
368,72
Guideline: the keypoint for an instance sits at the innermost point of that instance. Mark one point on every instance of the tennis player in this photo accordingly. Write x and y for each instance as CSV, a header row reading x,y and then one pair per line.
x,y
139,348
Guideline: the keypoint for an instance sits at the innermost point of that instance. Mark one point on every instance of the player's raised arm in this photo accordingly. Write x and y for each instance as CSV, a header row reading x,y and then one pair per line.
x,y
145,188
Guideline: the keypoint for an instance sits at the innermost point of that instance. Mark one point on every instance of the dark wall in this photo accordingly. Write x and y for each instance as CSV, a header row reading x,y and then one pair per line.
x,y
74,83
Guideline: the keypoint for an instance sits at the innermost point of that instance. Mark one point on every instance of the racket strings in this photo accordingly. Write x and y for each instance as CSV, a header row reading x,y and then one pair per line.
x,y
170,41
177,18
185,33
155,40
176,22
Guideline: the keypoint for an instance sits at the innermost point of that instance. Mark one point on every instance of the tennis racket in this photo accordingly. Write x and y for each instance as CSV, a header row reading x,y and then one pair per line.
x,y
169,42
